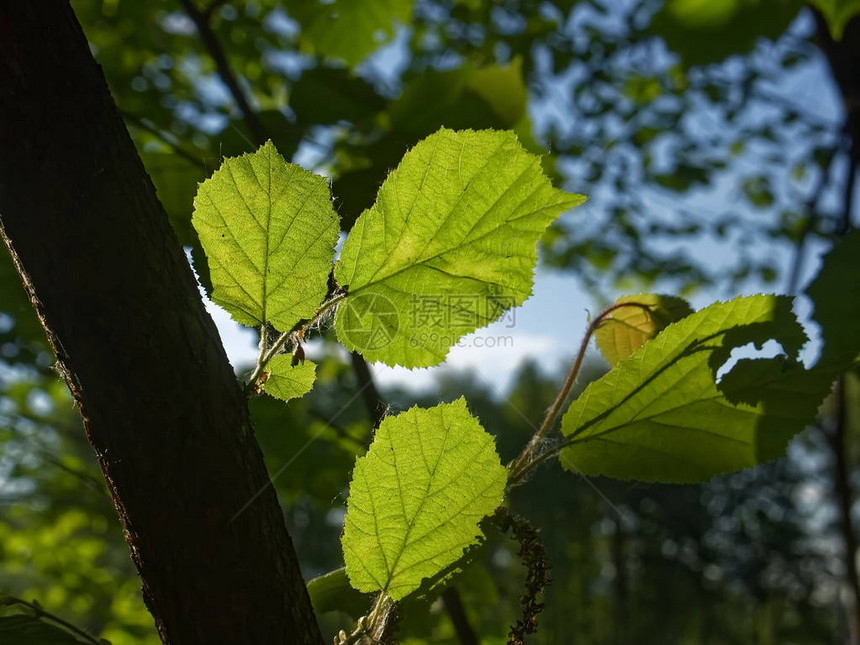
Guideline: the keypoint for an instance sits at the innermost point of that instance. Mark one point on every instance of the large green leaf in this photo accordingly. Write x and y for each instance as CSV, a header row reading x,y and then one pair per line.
x,y
660,415
417,496
269,231
467,97
449,245
347,29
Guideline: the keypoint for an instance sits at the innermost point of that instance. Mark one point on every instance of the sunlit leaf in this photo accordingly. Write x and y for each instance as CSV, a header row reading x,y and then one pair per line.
x,y
448,247
287,381
269,230
660,415
417,496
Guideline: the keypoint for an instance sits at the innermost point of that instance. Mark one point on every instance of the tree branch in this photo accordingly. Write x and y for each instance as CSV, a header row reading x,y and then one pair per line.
x,y
173,145
845,502
225,72
457,613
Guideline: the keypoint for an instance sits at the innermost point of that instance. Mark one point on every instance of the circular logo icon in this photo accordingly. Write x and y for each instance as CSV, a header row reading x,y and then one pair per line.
x,y
370,321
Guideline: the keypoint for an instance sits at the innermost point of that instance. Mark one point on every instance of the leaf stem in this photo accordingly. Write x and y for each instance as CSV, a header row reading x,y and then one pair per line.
x,y
527,460
266,354
372,627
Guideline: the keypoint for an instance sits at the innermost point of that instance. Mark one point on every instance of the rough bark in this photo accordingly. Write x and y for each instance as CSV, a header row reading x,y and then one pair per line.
x,y
143,360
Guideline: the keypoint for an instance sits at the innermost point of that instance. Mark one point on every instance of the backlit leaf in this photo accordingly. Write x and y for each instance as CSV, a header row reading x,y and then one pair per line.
x,y
448,247
660,415
269,230
417,496
287,381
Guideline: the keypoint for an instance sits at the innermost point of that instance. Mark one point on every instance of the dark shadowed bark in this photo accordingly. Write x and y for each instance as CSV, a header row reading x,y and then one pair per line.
x,y
142,358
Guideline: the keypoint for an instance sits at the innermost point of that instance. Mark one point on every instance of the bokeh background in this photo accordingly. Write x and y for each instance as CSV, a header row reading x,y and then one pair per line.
x,y
718,144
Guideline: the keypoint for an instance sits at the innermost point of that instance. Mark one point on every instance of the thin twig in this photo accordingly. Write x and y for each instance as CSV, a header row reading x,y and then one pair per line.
x,y
809,224
173,145
266,354
457,613
522,463
373,401
225,72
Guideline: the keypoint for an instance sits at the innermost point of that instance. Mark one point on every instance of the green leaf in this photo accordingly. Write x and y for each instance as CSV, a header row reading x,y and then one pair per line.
x,y
330,94
417,496
468,97
493,96
269,230
347,29
29,630
332,592
659,415
837,13
626,329
836,294
287,381
449,245
708,31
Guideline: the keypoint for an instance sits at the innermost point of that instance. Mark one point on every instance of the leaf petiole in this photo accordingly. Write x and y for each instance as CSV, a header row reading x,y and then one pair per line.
x,y
527,460
266,354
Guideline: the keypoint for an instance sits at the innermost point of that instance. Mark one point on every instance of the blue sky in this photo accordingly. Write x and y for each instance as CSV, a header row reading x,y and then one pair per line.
x,y
550,325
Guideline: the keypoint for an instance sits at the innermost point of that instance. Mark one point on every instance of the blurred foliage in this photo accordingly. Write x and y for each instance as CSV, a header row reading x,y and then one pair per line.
x,y
837,13
652,109
648,108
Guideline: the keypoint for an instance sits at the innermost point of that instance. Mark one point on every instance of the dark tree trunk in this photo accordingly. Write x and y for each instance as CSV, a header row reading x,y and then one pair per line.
x,y
119,303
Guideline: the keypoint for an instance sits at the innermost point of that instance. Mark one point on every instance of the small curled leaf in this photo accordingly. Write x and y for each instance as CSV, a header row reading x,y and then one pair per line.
x,y
287,381
627,328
